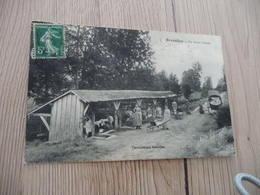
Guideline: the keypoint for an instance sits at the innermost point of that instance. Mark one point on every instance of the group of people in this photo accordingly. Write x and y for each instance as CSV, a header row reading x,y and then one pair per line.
x,y
176,109
137,115
101,125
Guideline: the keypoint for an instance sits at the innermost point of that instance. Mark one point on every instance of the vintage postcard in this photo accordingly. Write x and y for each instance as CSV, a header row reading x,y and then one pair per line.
x,y
108,94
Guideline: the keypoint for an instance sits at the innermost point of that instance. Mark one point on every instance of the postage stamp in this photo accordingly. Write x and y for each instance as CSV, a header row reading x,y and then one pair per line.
x,y
48,41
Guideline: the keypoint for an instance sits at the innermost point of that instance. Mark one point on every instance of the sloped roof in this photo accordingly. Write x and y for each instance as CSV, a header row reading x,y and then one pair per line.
x,y
110,95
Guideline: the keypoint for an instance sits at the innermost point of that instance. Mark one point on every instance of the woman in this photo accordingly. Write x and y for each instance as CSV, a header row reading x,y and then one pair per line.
x,y
137,117
47,39
166,117
87,127
188,111
158,112
201,109
174,107
149,112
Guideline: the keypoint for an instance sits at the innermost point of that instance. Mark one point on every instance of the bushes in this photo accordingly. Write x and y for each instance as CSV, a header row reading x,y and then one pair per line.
x,y
223,117
215,142
195,96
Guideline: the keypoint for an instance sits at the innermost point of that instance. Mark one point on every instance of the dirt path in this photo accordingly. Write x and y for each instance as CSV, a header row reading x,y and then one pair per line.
x,y
140,144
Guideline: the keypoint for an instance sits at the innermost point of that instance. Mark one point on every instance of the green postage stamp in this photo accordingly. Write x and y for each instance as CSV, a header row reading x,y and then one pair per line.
x,y
48,41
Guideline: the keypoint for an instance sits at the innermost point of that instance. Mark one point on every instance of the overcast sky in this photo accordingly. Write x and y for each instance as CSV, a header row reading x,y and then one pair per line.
x,y
176,53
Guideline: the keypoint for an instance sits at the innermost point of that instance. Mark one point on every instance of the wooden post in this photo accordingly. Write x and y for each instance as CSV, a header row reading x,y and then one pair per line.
x,y
85,110
120,119
116,121
93,125
154,104
42,116
116,104
45,123
139,102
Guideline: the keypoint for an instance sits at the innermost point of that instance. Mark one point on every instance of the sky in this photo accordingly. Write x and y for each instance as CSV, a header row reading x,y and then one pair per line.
x,y
175,53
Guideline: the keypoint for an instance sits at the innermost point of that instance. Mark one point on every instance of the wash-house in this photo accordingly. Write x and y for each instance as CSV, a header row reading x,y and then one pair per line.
x,y
63,116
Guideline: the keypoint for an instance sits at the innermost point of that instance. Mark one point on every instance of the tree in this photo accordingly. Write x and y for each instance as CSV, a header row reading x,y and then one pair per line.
x,y
114,58
222,85
192,77
173,84
47,79
196,71
186,90
191,80
206,86
160,81
96,58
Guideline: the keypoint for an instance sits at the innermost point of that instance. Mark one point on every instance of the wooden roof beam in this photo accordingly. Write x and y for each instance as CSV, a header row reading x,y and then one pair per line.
x,y
42,114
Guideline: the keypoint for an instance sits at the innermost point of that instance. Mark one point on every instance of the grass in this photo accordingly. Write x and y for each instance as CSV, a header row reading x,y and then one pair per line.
x,y
212,140
208,125
80,149
215,142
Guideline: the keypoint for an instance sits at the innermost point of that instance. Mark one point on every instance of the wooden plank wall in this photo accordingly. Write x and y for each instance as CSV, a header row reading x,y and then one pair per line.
x,y
237,22
66,119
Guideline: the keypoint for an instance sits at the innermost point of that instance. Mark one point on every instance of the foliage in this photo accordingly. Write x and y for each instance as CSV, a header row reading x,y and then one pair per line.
x,y
222,84
207,85
197,71
223,116
191,80
47,79
192,77
193,104
173,84
105,58
215,142
97,58
212,143
161,82
186,90
111,58
195,96
209,124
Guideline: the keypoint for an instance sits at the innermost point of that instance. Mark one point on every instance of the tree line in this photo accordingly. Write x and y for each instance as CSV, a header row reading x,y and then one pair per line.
x,y
107,58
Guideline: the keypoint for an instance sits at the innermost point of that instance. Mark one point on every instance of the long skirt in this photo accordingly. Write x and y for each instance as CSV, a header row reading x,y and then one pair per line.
x,y
137,119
